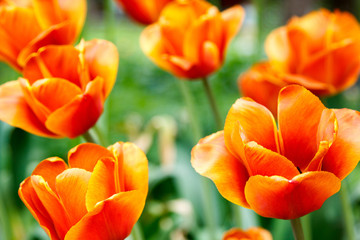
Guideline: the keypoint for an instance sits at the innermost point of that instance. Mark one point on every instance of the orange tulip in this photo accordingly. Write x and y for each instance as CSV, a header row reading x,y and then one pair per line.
x,y
255,233
99,196
63,89
320,51
28,25
145,12
191,37
287,172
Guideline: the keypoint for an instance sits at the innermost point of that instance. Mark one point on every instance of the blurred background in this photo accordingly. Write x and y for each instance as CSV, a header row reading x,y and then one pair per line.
x,y
146,107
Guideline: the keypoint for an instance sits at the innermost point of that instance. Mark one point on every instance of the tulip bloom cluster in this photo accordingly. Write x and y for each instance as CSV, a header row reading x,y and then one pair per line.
x,y
63,89
281,173
26,26
320,51
255,233
99,196
191,37
144,12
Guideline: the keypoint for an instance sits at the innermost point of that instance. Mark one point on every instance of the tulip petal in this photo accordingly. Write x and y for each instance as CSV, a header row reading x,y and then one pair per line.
x,y
256,123
60,34
37,209
80,115
277,48
122,209
277,197
101,184
132,167
300,143
262,84
262,161
152,44
344,153
86,156
52,205
103,59
326,135
232,20
15,111
18,26
254,233
54,93
41,111
54,61
73,201
211,159
207,28
52,12
49,169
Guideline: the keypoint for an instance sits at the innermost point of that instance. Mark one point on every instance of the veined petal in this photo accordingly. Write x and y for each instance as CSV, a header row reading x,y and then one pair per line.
x,y
211,159
232,20
152,44
131,165
52,12
79,115
344,153
86,156
71,187
54,93
264,162
49,169
31,200
122,209
101,184
18,26
52,205
60,34
255,123
15,111
278,197
54,61
262,84
207,28
102,59
299,107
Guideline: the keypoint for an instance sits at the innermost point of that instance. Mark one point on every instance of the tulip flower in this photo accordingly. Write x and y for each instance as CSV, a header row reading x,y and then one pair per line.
x,y
28,25
63,89
285,172
144,12
100,195
320,51
254,233
191,37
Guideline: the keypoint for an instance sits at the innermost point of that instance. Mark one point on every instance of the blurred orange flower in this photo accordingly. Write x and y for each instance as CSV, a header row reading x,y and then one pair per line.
x,y
99,196
254,233
145,12
27,25
191,37
320,51
281,173
63,89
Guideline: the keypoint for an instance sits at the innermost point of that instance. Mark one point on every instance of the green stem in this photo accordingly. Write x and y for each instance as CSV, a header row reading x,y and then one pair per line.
x,y
306,222
89,137
212,102
189,101
109,16
297,229
137,233
347,211
206,190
